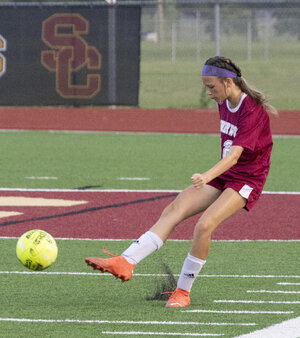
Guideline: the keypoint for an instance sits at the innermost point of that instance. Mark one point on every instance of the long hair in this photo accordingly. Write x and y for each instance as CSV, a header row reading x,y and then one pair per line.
x,y
239,81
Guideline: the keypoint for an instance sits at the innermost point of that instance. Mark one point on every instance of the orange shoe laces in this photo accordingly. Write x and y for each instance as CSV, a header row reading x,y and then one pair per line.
x,y
107,252
171,293
167,292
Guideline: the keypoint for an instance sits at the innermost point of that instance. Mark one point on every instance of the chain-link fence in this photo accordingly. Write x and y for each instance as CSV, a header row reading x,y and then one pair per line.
x,y
217,28
263,38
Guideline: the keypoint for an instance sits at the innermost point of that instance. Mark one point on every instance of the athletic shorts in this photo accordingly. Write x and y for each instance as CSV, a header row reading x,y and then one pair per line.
x,y
251,194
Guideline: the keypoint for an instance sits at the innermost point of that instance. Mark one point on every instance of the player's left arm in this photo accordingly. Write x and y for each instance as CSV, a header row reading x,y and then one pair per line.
x,y
199,180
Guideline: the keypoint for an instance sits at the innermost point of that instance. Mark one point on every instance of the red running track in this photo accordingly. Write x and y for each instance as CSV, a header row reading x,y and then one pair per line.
x,y
126,215
130,120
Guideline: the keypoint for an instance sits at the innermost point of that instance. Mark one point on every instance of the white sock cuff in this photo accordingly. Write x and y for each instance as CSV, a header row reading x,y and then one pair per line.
x,y
142,247
195,259
156,239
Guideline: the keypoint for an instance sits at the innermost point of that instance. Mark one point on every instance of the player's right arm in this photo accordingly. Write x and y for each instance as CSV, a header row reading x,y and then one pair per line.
x,y
199,180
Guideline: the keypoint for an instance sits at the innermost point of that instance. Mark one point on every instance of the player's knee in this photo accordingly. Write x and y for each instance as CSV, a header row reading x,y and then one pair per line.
x,y
204,227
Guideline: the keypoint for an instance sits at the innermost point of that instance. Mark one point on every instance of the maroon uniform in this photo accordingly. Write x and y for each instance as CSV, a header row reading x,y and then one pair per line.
x,y
248,126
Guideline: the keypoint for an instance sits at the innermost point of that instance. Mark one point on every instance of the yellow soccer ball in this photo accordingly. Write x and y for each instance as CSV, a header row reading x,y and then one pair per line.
x,y
36,249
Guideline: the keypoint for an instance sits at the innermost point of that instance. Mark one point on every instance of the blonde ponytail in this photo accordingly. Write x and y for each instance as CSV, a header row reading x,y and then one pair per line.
x,y
256,95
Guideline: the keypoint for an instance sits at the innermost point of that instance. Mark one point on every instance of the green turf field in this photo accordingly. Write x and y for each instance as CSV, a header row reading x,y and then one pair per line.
x,y
70,300
101,159
94,303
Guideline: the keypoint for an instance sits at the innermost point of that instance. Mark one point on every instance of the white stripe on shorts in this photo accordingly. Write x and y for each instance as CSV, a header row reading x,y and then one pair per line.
x,y
245,191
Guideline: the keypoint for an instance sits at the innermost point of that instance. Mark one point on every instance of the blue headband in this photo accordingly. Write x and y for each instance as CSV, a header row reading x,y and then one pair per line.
x,y
216,71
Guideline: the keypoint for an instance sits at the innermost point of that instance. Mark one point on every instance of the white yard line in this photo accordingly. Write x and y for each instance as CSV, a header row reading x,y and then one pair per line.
x,y
275,291
284,283
98,274
287,329
41,178
92,190
133,322
61,131
241,312
132,190
169,240
134,178
255,301
281,192
138,333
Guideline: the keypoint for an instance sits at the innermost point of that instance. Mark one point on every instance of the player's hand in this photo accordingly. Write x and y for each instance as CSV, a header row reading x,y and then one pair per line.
x,y
198,181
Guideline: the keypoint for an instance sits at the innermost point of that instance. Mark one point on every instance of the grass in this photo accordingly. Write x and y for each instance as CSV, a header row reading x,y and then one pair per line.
x,y
99,160
165,84
98,297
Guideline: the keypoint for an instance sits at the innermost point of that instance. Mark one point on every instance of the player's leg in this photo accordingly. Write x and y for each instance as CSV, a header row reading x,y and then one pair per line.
x,y
229,202
225,206
189,202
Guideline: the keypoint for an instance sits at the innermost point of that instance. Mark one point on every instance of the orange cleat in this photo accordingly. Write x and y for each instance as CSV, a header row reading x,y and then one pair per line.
x,y
117,266
179,298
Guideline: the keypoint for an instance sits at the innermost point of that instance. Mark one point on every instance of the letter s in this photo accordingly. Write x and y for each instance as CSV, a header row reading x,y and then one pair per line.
x,y
3,46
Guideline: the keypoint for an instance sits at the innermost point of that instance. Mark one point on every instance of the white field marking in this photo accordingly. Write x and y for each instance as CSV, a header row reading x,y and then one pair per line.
x,y
132,190
286,329
133,178
285,136
117,132
41,178
169,240
285,283
92,190
21,201
98,274
257,240
152,322
138,333
79,239
281,192
9,213
275,291
241,312
255,301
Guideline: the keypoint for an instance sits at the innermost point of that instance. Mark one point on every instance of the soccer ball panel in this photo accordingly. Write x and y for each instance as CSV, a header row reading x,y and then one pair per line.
x,y
36,249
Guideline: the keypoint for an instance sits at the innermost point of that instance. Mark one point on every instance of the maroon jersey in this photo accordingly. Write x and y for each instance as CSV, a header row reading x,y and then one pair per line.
x,y
248,126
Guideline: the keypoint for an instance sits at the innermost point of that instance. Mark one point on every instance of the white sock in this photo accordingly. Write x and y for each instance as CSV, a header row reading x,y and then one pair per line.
x,y
142,247
190,270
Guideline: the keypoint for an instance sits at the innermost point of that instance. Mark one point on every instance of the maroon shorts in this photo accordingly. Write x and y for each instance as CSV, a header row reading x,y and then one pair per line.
x,y
251,194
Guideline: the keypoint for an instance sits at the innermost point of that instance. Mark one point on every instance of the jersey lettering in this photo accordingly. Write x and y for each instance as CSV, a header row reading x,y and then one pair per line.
x,y
70,53
228,128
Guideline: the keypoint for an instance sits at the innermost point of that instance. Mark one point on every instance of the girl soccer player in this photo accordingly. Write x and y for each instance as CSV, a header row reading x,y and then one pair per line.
x,y
235,182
